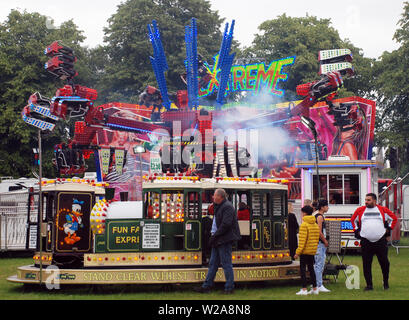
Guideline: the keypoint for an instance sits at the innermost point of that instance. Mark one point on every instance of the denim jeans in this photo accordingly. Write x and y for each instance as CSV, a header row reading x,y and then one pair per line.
x,y
220,255
319,262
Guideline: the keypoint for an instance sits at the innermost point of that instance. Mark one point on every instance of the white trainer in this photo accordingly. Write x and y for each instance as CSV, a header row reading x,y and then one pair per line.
x,y
302,292
323,289
312,291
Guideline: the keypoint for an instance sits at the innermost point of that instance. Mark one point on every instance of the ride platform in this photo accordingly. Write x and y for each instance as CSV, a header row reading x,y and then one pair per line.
x,y
31,275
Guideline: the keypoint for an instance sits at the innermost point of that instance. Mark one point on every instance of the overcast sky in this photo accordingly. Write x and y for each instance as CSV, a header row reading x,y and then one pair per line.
x,y
369,24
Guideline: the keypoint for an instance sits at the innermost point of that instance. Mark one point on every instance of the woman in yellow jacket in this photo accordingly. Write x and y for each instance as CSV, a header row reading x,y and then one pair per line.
x,y
307,246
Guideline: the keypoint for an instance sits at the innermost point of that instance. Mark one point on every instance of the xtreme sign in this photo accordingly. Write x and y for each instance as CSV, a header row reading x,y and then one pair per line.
x,y
250,77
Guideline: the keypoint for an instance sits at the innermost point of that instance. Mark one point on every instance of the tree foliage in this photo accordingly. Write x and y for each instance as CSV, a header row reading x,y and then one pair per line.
x,y
303,37
392,88
23,38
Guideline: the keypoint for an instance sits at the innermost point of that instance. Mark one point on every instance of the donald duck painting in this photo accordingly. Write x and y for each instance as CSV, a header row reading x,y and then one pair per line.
x,y
74,221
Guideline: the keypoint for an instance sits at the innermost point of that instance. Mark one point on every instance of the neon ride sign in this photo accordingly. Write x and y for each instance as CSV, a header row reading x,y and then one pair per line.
x,y
250,77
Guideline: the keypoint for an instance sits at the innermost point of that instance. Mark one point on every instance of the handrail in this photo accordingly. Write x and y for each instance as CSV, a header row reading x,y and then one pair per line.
x,y
391,240
393,182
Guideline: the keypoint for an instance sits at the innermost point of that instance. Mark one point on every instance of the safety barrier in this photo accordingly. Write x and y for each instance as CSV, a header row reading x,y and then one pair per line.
x,y
17,221
404,223
13,231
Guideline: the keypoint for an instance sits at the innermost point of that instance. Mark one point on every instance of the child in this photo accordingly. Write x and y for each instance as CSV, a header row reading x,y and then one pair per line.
x,y
307,247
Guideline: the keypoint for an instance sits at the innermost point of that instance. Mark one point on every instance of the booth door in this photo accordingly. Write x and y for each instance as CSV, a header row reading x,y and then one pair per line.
x,y
261,225
279,215
192,220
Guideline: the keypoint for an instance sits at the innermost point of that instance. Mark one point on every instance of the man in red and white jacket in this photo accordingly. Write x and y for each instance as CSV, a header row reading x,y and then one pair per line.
x,y
372,223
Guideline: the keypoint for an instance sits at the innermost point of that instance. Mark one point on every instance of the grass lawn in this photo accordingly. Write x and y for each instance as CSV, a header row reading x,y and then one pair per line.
x,y
399,286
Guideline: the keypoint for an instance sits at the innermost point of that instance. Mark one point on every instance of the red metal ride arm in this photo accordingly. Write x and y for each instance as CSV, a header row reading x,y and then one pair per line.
x,y
325,88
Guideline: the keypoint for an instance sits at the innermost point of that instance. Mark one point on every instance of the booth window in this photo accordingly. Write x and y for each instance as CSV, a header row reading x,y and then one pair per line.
x,y
266,205
277,204
50,207
152,205
192,205
166,206
172,206
45,205
33,207
243,208
335,189
243,198
260,206
338,189
323,187
256,204
231,196
207,202
351,187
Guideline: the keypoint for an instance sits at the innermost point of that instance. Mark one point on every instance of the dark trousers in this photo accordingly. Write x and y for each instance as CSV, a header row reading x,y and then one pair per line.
x,y
380,249
307,260
292,244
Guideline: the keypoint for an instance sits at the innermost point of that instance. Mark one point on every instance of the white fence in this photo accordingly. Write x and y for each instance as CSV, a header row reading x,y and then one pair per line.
x,y
15,223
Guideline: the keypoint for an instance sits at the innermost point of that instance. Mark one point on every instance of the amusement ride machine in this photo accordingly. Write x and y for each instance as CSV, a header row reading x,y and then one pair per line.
x,y
85,237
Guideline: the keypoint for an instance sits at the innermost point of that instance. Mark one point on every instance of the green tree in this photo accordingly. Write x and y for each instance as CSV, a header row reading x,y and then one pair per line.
x,y
303,37
392,87
126,54
23,38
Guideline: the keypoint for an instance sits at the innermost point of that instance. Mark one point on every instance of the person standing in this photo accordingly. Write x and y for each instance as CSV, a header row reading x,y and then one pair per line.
x,y
307,247
372,223
292,230
243,213
225,231
314,205
307,202
322,244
